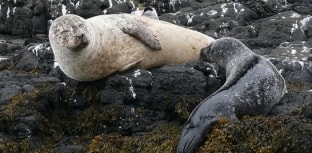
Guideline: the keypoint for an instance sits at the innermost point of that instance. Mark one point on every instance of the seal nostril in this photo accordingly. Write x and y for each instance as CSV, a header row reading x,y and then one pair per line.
x,y
80,37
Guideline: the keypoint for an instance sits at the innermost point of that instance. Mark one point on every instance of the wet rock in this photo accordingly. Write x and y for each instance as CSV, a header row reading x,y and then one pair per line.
x,y
166,6
292,102
23,18
3,47
284,27
266,8
91,8
26,61
67,145
125,7
302,6
35,57
12,84
149,96
7,92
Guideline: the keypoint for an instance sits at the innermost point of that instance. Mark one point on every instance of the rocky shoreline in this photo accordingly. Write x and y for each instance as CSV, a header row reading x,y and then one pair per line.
x,y
42,110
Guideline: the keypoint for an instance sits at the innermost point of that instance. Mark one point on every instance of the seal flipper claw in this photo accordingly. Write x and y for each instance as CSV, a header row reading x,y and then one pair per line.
x,y
143,34
130,65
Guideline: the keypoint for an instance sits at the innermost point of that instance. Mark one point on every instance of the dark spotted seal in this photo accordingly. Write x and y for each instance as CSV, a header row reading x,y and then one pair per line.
x,y
252,87
91,49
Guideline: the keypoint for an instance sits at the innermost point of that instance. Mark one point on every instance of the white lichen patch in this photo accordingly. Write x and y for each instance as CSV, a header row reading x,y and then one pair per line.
x,y
224,9
3,58
8,13
292,54
131,89
295,15
76,5
137,73
293,51
110,3
189,18
63,83
55,65
304,22
213,69
39,48
294,27
14,8
293,63
64,9
212,12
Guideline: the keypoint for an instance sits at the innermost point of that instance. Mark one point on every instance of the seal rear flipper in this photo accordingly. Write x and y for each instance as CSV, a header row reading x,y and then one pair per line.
x,y
143,34
193,136
130,65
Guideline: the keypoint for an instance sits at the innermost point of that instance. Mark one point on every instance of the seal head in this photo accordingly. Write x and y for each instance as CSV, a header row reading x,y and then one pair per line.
x,y
72,33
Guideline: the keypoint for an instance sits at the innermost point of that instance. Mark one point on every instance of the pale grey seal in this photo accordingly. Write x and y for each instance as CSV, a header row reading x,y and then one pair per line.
x,y
91,49
252,87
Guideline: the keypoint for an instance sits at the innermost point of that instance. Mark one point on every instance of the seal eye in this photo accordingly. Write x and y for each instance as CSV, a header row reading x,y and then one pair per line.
x,y
64,32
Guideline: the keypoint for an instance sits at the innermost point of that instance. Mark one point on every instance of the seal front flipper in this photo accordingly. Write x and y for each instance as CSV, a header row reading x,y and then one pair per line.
x,y
143,34
130,65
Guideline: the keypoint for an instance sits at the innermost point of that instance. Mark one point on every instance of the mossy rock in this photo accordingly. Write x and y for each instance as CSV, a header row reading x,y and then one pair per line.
x,y
279,134
163,139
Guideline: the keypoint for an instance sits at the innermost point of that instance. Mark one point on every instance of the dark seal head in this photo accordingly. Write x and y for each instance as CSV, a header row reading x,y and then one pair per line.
x,y
252,87
225,51
71,32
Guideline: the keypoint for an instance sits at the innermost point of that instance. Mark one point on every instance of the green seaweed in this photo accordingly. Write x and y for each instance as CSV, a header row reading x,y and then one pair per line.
x,y
162,139
261,134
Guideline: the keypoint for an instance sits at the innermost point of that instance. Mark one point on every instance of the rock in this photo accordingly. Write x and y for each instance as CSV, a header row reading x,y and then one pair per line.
x,y
157,91
35,57
266,8
3,47
26,61
166,6
13,84
286,26
23,18
292,103
91,8
67,145
302,6
125,7
7,92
